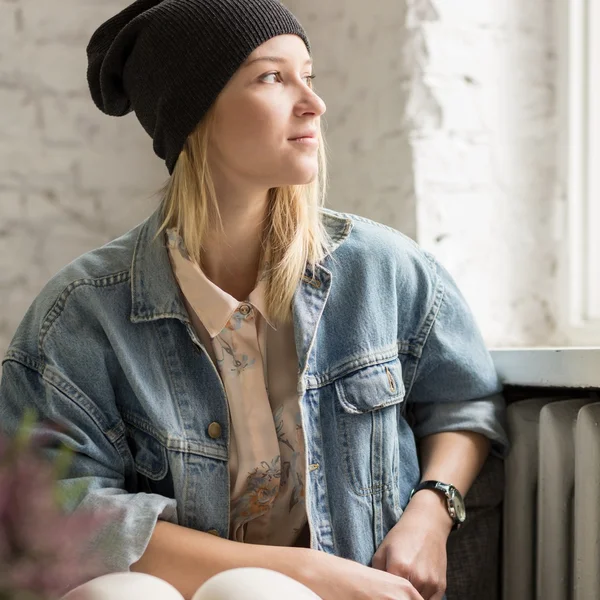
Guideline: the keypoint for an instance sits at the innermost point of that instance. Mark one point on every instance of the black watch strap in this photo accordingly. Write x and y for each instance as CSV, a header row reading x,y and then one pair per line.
x,y
432,485
452,495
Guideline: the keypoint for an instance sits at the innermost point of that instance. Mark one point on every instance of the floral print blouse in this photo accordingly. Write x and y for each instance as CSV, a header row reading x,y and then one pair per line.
x,y
257,363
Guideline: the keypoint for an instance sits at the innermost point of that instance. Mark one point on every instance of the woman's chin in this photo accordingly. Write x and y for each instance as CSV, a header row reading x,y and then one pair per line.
x,y
302,177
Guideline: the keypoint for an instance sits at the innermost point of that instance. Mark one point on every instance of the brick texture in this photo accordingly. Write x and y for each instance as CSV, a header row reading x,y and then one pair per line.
x,y
71,178
442,124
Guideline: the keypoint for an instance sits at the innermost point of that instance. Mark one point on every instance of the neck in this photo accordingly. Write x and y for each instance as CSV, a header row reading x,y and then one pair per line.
x,y
231,259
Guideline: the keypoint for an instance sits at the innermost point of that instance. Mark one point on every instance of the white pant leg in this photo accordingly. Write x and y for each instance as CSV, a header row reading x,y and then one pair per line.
x,y
253,584
124,586
235,584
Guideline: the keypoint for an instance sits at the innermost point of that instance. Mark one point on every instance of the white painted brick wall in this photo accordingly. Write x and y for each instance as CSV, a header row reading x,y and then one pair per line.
x,y
485,175
71,178
440,123
472,169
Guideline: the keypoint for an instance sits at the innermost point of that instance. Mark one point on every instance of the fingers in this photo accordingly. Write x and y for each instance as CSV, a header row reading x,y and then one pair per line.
x,y
428,587
410,593
431,590
379,561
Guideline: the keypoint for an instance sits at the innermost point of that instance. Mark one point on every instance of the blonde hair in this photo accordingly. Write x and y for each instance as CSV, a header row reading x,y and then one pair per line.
x,y
293,232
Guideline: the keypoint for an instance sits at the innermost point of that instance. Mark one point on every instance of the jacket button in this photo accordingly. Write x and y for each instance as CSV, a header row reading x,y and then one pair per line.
x,y
213,532
214,430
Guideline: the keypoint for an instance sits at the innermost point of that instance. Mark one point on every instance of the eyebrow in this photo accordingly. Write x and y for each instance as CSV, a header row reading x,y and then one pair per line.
x,y
275,59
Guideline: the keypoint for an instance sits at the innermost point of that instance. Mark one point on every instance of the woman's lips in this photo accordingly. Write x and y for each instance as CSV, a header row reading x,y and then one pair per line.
x,y
306,141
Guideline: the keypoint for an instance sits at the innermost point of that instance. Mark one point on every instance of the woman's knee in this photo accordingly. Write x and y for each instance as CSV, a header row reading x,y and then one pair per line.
x,y
253,584
124,586
234,584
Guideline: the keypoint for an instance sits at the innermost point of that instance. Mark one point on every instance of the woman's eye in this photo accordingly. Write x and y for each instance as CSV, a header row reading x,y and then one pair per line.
x,y
273,75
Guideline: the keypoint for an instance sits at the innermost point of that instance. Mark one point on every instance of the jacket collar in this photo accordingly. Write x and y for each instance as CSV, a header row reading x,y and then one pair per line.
x,y
154,290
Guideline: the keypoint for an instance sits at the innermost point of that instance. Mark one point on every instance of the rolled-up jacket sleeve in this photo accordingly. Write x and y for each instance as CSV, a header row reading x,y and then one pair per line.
x,y
97,476
455,385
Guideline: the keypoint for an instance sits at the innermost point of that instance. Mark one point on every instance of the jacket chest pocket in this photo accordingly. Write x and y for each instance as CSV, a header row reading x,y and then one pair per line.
x,y
367,409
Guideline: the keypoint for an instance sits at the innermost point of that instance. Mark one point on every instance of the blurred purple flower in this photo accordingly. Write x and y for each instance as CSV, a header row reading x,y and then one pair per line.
x,y
44,551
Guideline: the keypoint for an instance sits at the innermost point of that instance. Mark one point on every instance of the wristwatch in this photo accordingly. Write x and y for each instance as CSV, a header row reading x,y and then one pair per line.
x,y
454,500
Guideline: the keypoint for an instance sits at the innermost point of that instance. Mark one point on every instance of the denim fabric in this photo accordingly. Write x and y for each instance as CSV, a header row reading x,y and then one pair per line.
x,y
388,352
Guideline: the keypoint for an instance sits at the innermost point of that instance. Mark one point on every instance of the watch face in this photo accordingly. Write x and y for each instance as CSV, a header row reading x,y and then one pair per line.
x,y
459,507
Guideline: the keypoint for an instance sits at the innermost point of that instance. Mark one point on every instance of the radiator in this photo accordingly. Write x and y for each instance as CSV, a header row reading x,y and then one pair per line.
x,y
551,523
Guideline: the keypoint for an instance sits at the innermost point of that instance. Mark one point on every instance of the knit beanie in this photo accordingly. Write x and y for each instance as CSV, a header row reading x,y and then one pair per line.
x,y
168,60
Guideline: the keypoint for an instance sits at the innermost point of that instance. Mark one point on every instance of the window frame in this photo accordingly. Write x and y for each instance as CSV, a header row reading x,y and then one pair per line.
x,y
578,94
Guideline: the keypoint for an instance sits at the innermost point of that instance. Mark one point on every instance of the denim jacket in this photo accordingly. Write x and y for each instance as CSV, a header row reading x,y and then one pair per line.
x,y
388,352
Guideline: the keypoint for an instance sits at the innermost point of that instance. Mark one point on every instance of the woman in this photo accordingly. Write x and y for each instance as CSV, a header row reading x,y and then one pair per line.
x,y
247,378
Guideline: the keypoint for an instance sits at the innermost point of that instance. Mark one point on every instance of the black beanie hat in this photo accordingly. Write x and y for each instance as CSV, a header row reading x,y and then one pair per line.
x,y
168,60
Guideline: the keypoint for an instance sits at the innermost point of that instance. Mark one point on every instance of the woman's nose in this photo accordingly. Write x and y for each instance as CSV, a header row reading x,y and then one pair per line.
x,y
313,103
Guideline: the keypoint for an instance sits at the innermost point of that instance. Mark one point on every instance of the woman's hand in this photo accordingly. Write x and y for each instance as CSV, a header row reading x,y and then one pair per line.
x,y
416,547
334,578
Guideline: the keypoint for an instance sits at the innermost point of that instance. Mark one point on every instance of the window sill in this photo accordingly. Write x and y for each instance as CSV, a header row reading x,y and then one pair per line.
x,y
548,367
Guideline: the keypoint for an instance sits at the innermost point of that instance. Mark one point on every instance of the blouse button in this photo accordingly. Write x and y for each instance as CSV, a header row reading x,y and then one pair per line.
x,y
214,430
245,309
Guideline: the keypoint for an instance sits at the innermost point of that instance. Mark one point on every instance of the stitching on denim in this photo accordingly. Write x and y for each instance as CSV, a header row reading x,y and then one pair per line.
x,y
405,237
165,358
322,476
339,236
374,489
318,320
348,367
347,462
409,347
191,447
197,448
426,330
27,361
143,468
342,395
113,435
132,420
397,399
427,326
134,269
76,396
57,308
379,421
152,316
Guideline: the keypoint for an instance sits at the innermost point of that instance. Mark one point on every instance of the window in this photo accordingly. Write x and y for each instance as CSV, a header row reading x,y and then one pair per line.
x,y
579,169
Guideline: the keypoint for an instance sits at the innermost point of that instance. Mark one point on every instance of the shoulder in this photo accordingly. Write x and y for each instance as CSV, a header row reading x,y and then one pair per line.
x,y
104,266
81,286
386,279
379,247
